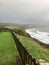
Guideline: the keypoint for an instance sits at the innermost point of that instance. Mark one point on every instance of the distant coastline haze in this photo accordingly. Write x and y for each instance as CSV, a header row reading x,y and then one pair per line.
x,y
24,11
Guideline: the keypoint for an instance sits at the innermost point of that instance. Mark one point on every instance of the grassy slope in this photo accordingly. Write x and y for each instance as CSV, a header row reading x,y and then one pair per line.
x,y
33,48
8,51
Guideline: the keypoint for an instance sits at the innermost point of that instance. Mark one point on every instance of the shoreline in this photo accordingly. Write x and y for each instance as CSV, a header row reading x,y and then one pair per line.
x,y
38,35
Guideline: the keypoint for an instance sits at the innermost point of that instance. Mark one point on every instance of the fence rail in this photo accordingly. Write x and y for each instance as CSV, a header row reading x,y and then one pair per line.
x,y
24,54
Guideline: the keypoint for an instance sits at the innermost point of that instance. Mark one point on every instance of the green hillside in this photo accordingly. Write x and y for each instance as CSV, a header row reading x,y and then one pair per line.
x,y
8,50
34,48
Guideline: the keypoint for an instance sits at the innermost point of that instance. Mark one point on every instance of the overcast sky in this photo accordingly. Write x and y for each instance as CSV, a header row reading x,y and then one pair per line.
x,y
24,11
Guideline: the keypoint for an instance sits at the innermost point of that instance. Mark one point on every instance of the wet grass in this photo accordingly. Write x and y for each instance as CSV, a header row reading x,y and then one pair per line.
x,y
8,50
34,48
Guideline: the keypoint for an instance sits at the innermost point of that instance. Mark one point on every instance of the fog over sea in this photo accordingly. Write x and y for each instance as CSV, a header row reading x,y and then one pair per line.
x,y
46,29
25,11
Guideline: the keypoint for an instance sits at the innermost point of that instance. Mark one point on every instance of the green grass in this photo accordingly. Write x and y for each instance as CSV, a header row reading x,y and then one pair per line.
x,y
8,50
34,48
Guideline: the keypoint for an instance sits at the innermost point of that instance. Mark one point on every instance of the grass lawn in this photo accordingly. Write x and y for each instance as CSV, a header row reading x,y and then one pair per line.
x,y
34,48
8,50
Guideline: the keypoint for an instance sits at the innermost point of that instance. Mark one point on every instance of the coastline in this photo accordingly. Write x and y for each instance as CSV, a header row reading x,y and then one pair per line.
x,y
38,35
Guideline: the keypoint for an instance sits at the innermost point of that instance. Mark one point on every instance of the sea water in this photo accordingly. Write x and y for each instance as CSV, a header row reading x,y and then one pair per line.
x,y
41,34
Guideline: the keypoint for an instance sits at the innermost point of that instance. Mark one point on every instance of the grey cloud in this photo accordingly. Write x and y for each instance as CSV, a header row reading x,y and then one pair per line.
x,y
30,11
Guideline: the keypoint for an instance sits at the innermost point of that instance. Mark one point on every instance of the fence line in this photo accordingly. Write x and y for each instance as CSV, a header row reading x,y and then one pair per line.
x,y
25,56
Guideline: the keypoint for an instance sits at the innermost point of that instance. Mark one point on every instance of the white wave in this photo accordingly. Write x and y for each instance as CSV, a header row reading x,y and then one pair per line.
x,y
41,36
